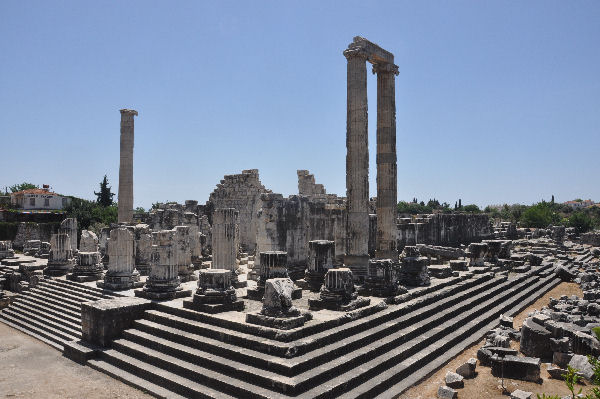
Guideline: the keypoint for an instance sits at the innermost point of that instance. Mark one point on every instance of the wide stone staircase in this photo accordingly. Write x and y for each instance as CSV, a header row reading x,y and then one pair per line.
x,y
51,311
175,352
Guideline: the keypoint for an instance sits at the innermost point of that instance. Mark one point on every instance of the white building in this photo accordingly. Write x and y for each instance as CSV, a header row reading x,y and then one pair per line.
x,y
39,199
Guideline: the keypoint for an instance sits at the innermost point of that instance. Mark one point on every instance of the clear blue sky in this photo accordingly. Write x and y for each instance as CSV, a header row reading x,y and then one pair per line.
x,y
496,101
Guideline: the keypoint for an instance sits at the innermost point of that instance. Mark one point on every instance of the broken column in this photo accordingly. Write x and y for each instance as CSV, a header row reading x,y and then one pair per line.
x,y
88,266
277,310
163,281
338,292
215,293
121,274
386,162
273,264
380,281
69,226
60,260
6,250
320,259
183,253
225,241
125,199
143,248
413,268
357,164
476,253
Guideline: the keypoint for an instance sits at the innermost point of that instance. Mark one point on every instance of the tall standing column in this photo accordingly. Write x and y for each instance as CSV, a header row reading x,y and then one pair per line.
x,y
387,173
126,167
225,242
357,165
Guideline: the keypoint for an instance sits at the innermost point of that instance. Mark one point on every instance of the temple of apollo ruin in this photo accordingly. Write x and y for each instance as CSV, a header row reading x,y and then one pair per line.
x,y
251,294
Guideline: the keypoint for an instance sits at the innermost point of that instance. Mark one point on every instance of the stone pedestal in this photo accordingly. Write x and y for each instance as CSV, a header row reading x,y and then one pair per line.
x,y
215,293
225,242
380,281
121,274
89,267
44,250
125,198
494,249
183,253
163,281
477,253
60,260
6,250
413,268
338,292
505,249
321,256
273,264
278,310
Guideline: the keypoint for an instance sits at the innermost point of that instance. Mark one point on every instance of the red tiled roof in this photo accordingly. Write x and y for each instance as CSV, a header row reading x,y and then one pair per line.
x,y
34,191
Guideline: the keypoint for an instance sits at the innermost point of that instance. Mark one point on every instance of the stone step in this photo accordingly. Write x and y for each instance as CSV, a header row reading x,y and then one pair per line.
x,y
453,340
42,313
171,381
50,308
273,347
52,324
42,336
33,326
84,288
57,297
52,299
311,377
67,295
232,377
133,380
439,361
71,291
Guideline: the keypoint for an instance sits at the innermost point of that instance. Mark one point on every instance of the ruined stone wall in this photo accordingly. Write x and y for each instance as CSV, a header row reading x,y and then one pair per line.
x,y
33,231
288,224
444,229
307,185
242,192
591,238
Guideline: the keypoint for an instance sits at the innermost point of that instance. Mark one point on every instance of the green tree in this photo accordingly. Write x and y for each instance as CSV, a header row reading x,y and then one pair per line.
x,y
581,221
540,215
20,187
472,208
104,196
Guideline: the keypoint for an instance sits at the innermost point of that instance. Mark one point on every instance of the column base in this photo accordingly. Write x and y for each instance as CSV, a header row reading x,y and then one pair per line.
x,y
280,323
359,264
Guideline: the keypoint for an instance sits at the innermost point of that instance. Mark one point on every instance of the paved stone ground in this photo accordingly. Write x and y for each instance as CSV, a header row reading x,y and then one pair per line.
x,y
485,385
31,369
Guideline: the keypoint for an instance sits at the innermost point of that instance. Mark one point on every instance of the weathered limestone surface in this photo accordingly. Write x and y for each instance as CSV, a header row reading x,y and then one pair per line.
x,y
241,192
357,163
33,231
32,247
307,185
143,248
125,201
6,250
387,234
320,259
163,281
225,241
444,229
60,260
89,267
413,268
88,241
69,226
183,253
121,272
105,320
273,264
380,281
338,292
215,293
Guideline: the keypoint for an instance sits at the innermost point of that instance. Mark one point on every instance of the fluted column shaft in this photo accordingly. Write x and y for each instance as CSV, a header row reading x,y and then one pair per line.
x,y
125,199
387,174
357,164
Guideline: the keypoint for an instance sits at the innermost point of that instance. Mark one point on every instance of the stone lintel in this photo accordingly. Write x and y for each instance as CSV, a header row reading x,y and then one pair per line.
x,y
376,54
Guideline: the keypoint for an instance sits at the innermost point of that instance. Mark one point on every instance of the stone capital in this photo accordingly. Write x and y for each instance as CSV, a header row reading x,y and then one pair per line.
x,y
356,53
126,111
385,68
